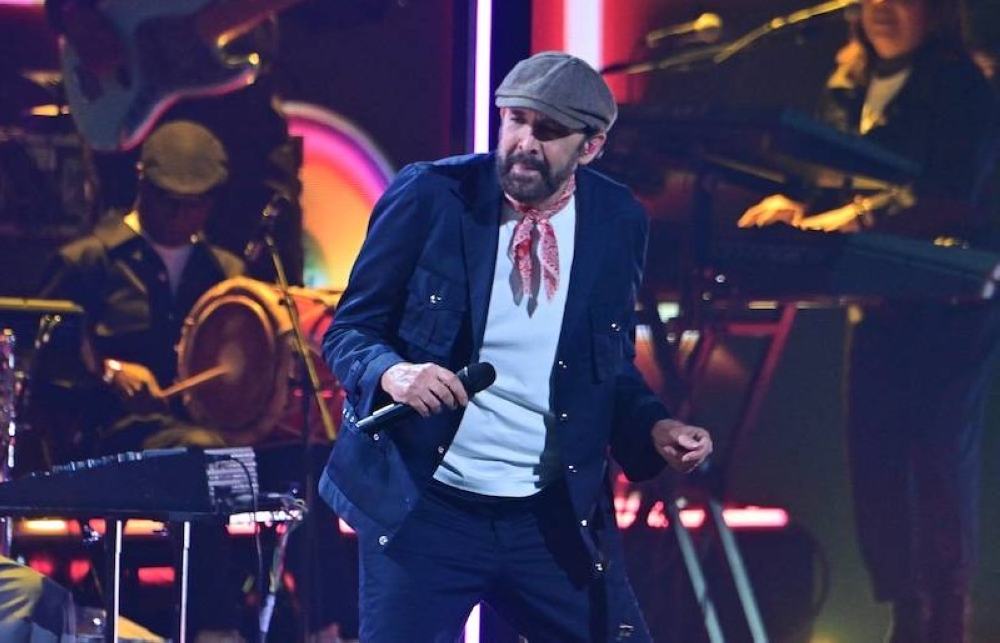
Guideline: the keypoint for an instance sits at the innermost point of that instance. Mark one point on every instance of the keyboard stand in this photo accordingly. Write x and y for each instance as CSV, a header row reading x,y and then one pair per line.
x,y
113,535
775,329
113,531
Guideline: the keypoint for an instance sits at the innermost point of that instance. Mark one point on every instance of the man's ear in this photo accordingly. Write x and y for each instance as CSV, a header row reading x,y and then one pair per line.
x,y
592,147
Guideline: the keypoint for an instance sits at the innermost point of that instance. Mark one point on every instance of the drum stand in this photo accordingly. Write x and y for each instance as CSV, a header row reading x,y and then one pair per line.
x,y
311,391
9,388
14,383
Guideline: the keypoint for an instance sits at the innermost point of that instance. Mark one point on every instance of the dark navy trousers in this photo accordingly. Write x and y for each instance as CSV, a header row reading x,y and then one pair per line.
x,y
525,557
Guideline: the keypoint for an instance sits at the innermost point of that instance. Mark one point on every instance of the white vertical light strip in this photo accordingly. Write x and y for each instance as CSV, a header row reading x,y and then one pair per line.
x,y
481,143
583,39
481,82
473,625
583,33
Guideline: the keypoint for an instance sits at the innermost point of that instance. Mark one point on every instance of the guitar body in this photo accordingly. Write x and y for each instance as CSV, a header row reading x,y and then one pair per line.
x,y
165,61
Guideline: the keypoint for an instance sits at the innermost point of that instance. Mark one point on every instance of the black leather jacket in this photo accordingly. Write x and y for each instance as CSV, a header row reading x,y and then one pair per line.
x,y
944,118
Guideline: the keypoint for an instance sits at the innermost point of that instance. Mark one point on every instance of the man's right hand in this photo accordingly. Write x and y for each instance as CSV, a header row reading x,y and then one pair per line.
x,y
136,385
776,208
428,388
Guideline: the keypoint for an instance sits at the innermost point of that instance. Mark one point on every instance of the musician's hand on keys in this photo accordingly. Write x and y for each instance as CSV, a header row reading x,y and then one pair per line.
x,y
683,446
135,384
776,208
428,388
843,219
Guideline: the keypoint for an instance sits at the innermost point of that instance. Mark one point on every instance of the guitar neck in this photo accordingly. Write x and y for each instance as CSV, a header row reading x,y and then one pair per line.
x,y
226,19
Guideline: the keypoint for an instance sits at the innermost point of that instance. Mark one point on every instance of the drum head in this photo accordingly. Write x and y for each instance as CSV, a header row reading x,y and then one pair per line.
x,y
235,325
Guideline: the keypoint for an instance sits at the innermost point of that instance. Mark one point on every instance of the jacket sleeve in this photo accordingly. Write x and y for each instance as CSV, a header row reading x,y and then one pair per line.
x,y
960,143
360,344
73,274
637,408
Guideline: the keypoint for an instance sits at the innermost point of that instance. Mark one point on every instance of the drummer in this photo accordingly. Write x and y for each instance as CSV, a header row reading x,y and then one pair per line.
x,y
136,276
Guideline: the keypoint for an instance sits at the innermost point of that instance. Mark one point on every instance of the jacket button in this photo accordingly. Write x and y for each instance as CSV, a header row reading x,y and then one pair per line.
x,y
383,540
563,417
375,436
436,299
562,364
571,468
598,566
615,327
583,523
440,450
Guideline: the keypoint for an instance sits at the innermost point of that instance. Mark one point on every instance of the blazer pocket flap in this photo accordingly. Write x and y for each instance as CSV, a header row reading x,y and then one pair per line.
x,y
434,312
607,324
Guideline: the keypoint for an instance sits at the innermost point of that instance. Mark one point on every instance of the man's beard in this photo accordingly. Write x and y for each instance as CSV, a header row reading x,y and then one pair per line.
x,y
532,189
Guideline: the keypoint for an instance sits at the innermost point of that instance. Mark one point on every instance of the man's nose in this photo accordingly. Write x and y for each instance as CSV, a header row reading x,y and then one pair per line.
x,y
528,142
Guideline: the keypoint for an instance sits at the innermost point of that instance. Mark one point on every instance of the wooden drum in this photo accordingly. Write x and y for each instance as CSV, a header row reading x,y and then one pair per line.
x,y
242,329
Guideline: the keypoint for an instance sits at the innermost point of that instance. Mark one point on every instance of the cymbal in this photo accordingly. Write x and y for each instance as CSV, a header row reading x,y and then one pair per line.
x,y
20,305
19,95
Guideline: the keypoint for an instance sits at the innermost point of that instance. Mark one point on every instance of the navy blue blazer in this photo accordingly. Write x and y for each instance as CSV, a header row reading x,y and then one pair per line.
x,y
419,292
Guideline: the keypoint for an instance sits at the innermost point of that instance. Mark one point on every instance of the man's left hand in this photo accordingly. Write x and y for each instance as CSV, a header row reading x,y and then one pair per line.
x,y
684,447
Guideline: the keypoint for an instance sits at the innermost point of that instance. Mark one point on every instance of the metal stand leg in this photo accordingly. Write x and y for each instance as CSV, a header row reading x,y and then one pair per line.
x,y
112,598
274,580
9,394
6,535
182,599
695,573
735,561
777,332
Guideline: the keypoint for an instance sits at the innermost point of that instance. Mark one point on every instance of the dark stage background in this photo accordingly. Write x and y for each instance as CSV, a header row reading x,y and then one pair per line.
x,y
400,71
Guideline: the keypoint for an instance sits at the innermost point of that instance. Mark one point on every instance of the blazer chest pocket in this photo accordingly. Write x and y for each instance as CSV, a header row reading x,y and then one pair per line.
x,y
435,309
608,328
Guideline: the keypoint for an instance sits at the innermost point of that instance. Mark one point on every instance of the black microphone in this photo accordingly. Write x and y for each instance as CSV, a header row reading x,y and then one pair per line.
x,y
474,377
706,28
278,204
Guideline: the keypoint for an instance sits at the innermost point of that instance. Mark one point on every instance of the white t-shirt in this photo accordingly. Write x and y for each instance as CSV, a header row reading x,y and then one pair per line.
x,y
504,444
174,258
880,92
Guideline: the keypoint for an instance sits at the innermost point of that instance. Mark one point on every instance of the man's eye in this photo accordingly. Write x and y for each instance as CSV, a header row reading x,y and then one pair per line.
x,y
550,133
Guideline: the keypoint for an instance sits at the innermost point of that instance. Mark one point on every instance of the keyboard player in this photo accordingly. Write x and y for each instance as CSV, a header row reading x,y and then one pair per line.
x,y
917,372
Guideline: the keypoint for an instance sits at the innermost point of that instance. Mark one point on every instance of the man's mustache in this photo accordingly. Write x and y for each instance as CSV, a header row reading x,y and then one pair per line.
x,y
527,160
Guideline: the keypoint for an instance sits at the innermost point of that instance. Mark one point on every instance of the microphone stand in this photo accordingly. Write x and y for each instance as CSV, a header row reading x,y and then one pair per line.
x,y
720,53
311,391
776,24
683,59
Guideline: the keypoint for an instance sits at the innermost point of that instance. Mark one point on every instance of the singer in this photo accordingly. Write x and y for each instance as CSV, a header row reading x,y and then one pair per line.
x,y
528,260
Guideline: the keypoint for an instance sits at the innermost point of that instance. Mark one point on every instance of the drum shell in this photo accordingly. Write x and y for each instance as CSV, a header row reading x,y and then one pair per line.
x,y
244,324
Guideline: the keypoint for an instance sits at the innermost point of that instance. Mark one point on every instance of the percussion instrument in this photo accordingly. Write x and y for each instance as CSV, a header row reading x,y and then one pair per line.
x,y
238,349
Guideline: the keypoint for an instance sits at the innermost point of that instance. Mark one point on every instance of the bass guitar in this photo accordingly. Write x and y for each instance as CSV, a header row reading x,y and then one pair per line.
x,y
171,51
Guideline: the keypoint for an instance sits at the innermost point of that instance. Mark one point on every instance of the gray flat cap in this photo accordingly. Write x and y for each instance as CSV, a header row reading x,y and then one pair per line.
x,y
185,158
563,87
